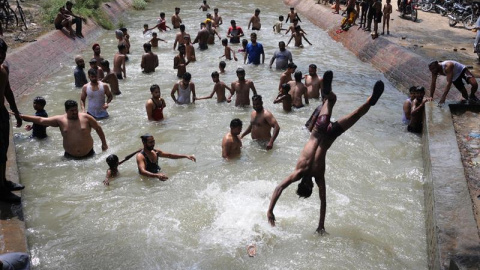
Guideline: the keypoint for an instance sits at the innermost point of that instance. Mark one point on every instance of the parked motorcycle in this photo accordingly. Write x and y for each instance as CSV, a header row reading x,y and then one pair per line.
x,y
445,8
428,5
409,9
458,14
470,20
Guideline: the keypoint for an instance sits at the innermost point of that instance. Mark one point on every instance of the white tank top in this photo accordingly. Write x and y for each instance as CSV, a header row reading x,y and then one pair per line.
x,y
183,94
457,69
96,99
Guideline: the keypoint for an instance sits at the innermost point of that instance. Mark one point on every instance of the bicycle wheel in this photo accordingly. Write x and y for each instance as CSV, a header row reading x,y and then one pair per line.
x,y
22,16
469,22
10,17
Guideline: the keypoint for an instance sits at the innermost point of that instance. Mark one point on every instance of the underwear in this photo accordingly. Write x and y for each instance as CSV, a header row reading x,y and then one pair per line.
x,y
254,28
89,154
58,26
414,130
323,126
465,75
119,76
202,46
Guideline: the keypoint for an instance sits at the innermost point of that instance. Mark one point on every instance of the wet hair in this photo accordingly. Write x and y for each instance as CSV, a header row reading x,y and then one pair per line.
x,y
292,8
298,28
233,22
224,41
257,10
40,101
215,9
257,97
181,46
244,41
154,34
305,187
298,76
92,61
162,14
432,63
253,34
204,24
286,87
147,47
222,64
240,70
280,17
187,76
291,65
70,104
420,89
105,63
236,123
145,137
182,27
215,74
92,72
153,87
112,161
412,89
281,42
123,29
145,25
121,47
313,66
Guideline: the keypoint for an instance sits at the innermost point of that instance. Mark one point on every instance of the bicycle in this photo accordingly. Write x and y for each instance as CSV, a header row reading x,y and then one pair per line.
x,y
7,15
19,9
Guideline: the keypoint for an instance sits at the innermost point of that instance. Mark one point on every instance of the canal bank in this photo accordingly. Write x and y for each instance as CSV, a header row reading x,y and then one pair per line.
x,y
452,233
29,65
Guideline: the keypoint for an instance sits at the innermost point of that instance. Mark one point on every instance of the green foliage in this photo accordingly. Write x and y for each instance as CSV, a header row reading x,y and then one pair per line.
x,y
139,4
84,8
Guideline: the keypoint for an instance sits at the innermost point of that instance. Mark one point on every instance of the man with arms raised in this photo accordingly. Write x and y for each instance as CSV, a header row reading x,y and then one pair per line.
x,y
311,163
6,94
147,159
313,82
261,123
456,73
231,143
242,89
76,130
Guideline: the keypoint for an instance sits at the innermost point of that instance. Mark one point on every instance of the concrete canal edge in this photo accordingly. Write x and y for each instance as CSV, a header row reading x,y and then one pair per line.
x,y
29,65
452,234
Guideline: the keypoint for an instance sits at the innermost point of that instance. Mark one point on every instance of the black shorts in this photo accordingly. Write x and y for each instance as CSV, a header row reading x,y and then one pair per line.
x,y
378,17
465,75
4,134
414,130
58,26
90,154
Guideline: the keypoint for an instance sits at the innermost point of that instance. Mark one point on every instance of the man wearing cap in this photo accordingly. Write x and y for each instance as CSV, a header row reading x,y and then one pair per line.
x,y
147,159
234,32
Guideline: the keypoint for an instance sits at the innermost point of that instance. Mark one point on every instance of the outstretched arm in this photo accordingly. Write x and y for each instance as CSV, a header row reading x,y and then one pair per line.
x,y
295,176
306,39
175,156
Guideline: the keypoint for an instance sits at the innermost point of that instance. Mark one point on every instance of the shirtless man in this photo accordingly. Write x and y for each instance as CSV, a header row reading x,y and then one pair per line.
x,y
95,91
149,59
313,82
204,6
292,16
312,159
63,20
96,53
6,94
285,98
119,62
255,21
218,88
291,28
110,78
418,107
456,73
179,62
227,52
231,143
242,87
95,65
76,130
189,49
176,20
66,18
286,76
180,37
217,19
184,89
212,32
261,123
202,37
147,159
298,35
298,89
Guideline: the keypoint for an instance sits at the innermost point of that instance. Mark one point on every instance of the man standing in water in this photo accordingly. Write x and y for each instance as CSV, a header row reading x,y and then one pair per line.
x,y
176,20
147,159
234,32
283,57
76,130
231,143
313,82
261,123
253,51
255,21
6,94
96,91
149,59
242,88
180,37
456,73
312,159
179,62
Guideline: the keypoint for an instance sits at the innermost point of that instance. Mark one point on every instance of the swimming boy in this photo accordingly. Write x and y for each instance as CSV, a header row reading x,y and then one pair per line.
x,y
218,88
285,98
228,51
39,131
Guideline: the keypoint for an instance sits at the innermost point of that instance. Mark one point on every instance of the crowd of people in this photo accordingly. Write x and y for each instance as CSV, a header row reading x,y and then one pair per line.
x,y
98,91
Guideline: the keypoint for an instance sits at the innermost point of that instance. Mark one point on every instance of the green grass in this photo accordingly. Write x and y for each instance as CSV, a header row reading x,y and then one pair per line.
x,y
84,8
139,4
